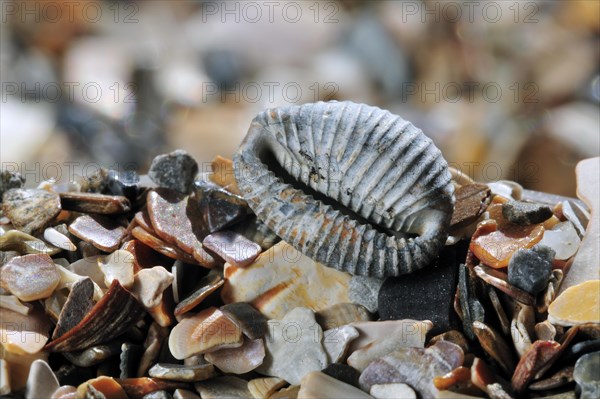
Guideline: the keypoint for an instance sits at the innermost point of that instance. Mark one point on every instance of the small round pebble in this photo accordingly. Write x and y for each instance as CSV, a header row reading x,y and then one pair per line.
x,y
525,213
529,269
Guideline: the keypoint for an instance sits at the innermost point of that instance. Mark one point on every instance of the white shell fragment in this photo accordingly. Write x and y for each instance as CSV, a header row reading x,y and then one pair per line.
x,y
118,266
294,347
58,239
347,184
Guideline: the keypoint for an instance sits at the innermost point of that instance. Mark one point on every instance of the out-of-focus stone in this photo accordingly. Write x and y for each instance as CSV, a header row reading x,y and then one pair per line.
x,y
9,180
282,279
30,210
293,354
586,375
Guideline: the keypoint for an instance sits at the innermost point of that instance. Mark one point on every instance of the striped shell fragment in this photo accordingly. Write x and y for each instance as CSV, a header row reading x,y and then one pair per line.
x,y
352,186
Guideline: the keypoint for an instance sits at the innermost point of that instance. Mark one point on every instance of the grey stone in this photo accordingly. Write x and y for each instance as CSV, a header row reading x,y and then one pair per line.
x,y
525,213
365,291
530,269
176,170
10,180
30,210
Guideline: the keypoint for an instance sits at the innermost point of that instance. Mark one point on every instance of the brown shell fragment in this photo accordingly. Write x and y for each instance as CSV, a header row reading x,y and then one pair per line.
x,y
78,304
471,201
115,313
94,203
103,233
540,353
500,281
495,346
233,247
161,246
136,388
206,286
172,217
348,185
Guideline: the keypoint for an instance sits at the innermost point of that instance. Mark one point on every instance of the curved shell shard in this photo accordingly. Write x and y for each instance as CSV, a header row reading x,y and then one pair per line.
x,y
352,186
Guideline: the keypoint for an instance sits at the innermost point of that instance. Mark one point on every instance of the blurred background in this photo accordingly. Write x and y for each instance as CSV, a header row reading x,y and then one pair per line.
x,y
506,89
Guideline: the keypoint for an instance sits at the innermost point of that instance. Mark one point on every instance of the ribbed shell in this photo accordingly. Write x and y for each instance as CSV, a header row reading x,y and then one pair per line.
x,y
380,168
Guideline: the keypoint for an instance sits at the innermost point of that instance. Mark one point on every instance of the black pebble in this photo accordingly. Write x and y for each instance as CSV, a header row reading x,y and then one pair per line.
x,y
343,372
427,294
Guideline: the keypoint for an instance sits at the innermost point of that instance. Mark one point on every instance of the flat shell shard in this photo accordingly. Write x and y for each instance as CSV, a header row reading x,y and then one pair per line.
x,y
78,304
358,167
116,312
103,233
94,203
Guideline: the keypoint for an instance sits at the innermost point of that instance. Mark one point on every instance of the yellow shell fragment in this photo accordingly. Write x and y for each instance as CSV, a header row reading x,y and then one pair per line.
x,y
579,304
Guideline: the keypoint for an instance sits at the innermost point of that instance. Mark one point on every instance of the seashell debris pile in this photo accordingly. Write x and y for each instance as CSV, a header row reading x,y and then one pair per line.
x,y
336,256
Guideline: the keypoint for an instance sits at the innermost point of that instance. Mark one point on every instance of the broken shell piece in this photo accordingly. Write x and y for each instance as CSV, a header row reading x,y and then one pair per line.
x,y
545,298
68,279
521,329
387,343
94,203
129,358
182,373
454,336
481,376
30,210
506,188
149,285
294,347
153,344
414,366
233,247
567,309
42,382
250,320
456,377
65,392
206,286
575,214
470,308
392,391
161,246
184,394
261,388
500,313
172,217
223,387
239,360
219,208
499,280
317,385
204,332
11,302
58,239
282,279
117,266
30,277
115,313
536,358
563,239
337,340
354,176
77,306
495,346
290,392
411,332
88,267
103,233
22,334
341,314
102,386
496,248
471,202
15,240
163,312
